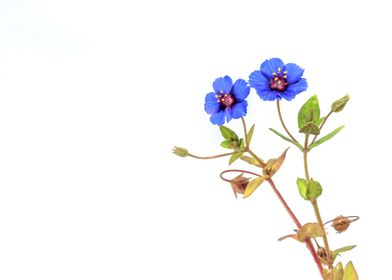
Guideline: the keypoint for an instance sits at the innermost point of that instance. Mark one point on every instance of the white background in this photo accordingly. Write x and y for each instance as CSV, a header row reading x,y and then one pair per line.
x,y
94,94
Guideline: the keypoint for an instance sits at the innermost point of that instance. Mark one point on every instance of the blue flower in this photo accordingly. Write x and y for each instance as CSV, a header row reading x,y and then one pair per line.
x,y
276,80
227,101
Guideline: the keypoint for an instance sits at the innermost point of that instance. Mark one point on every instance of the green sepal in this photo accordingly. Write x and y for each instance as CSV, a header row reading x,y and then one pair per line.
x,y
235,156
228,134
338,272
287,139
253,185
250,134
339,104
302,188
326,137
242,144
309,112
349,272
309,230
313,189
310,128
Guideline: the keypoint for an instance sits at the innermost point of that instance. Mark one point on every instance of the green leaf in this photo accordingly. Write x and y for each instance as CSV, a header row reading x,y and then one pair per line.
x,y
302,188
339,104
253,185
250,134
251,160
349,272
226,144
309,112
341,250
310,128
326,137
320,121
313,190
338,272
242,144
287,139
235,156
227,133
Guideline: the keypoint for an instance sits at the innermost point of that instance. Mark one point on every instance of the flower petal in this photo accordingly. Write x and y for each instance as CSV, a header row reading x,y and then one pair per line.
x,y
218,118
293,89
258,81
294,72
223,84
240,109
268,94
211,105
228,114
241,90
271,66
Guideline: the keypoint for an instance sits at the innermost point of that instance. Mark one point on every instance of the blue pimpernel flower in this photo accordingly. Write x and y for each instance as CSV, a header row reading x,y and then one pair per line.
x,y
276,80
227,101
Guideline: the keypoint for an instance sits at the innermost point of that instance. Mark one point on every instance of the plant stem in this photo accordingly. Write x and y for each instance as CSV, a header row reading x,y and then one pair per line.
x,y
282,122
309,243
316,208
212,157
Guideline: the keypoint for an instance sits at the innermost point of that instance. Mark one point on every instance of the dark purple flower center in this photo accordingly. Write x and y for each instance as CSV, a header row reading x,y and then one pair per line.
x,y
225,99
279,81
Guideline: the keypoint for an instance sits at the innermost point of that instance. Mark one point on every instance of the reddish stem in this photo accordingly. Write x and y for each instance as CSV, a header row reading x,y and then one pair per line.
x,y
309,243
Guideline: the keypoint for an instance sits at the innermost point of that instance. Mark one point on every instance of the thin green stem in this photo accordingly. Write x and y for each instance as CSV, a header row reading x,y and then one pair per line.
x,y
212,157
282,122
321,126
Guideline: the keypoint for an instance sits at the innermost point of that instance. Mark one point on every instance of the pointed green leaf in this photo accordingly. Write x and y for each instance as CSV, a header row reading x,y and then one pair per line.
x,y
235,156
250,134
253,185
338,272
310,128
320,121
226,144
287,139
349,272
302,188
341,250
314,189
309,112
251,160
227,133
339,104
242,144
326,137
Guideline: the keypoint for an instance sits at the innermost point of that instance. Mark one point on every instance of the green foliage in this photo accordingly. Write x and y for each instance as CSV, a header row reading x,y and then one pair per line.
x,y
235,156
326,137
309,112
309,230
309,190
250,134
251,160
310,128
302,188
349,272
320,121
341,250
253,185
287,139
338,272
228,134
339,104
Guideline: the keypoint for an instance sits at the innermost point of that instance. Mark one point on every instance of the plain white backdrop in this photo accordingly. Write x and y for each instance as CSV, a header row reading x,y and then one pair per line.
x,y
94,94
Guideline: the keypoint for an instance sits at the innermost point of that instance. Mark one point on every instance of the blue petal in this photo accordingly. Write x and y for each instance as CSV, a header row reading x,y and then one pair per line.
x,y
211,105
228,114
223,84
268,94
271,66
241,90
258,81
293,89
294,72
218,118
240,109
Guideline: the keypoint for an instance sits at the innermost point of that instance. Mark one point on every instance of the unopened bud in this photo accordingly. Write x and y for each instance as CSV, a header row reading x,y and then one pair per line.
x,y
181,152
339,104
239,184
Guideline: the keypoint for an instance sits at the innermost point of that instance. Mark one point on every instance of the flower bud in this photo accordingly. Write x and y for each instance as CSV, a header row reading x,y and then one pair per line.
x,y
181,152
239,184
341,223
339,104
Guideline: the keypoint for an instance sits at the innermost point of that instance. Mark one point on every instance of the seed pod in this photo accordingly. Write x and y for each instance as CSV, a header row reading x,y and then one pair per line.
x,y
341,223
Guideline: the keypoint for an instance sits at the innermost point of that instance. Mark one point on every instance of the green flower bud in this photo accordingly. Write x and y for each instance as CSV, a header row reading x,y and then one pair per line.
x,y
339,104
181,152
